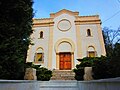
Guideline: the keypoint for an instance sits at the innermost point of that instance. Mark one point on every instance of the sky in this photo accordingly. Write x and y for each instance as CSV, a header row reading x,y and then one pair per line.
x,y
108,10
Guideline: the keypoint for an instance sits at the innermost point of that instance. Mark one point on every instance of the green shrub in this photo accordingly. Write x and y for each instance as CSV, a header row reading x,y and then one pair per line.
x,y
79,72
28,65
101,69
42,73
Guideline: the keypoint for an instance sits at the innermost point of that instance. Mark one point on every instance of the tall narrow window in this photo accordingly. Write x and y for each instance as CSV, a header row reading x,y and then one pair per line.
x,y
88,32
41,34
39,55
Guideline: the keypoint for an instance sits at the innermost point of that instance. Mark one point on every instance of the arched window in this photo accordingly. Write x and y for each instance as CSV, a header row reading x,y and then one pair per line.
x,y
39,55
41,34
88,32
91,51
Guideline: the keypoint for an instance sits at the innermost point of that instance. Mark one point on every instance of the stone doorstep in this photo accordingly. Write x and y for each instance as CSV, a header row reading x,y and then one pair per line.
x,y
63,75
58,83
68,74
63,78
61,71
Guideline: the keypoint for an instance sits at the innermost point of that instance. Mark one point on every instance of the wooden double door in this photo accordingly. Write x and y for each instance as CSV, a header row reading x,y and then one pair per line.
x,y
65,61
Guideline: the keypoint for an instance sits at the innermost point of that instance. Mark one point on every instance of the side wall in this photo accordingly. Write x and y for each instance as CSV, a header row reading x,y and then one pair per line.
x,y
92,40
39,43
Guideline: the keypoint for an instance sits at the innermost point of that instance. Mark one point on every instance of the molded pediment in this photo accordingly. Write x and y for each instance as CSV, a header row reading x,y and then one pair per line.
x,y
53,15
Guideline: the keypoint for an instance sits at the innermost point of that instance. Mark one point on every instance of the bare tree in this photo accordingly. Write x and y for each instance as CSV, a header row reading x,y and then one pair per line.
x,y
111,37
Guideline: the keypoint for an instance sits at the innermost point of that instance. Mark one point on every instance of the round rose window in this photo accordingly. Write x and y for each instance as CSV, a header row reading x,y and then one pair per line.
x,y
64,25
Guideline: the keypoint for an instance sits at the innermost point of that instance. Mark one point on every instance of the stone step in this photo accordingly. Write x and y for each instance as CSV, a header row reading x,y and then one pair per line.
x,y
58,85
63,75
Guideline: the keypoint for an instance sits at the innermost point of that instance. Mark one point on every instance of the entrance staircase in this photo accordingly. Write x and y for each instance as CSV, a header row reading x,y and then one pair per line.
x,y
63,75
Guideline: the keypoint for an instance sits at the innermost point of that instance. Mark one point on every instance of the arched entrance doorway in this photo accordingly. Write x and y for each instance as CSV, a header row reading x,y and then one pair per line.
x,y
65,61
64,54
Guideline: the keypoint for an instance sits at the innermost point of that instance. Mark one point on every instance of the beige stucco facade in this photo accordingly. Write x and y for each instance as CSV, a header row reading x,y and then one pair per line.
x,y
65,32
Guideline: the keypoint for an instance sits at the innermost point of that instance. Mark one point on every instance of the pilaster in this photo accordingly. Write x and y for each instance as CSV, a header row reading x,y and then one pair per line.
x,y
78,38
100,36
50,48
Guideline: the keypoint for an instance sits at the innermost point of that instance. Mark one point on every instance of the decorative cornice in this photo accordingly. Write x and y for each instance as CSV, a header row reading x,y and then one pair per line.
x,y
94,19
88,22
43,22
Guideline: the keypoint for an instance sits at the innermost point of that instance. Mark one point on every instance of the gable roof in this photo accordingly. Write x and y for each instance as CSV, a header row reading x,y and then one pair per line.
x,y
53,15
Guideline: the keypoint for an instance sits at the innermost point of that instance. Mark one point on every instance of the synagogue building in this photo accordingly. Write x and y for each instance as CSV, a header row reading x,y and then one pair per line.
x,y
63,38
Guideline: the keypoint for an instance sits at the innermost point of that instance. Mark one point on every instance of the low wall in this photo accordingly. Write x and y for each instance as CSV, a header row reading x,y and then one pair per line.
x,y
19,85
103,84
